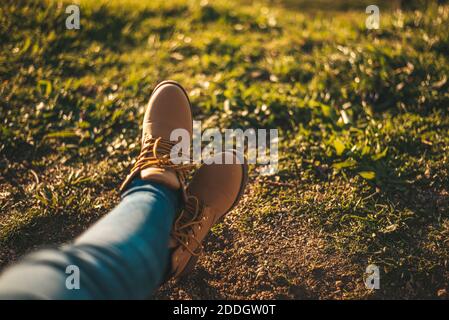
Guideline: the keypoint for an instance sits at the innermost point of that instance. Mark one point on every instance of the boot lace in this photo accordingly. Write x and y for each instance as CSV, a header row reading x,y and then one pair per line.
x,y
189,218
156,153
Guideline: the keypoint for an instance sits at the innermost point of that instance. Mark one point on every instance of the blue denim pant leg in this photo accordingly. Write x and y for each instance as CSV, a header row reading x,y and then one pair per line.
x,y
122,256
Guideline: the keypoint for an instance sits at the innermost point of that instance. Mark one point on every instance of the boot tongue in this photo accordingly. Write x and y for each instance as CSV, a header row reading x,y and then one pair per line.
x,y
167,177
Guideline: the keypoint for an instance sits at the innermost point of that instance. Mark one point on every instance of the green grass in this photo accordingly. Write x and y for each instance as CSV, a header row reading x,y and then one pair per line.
x,y
364,127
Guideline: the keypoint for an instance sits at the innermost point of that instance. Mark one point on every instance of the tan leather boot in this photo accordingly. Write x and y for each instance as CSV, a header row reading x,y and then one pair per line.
x,y
168,109
214,190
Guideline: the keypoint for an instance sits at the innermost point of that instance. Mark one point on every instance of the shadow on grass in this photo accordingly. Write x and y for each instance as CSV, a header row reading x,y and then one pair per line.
x,y
41,232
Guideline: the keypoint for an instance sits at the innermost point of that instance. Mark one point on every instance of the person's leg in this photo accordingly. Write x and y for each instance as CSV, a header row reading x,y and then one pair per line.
x,y
124,255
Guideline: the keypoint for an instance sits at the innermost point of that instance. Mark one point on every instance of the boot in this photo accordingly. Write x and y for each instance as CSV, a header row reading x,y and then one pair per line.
x,y
168,109
214,190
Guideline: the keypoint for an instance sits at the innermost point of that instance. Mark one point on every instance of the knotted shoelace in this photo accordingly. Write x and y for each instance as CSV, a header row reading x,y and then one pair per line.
x,y
184,227
156,153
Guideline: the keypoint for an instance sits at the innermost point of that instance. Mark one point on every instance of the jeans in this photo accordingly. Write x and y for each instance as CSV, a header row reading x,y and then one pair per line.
x,y
122,256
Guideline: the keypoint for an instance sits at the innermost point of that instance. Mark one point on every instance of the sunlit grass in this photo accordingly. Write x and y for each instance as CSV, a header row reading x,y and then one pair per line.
x,y
362,117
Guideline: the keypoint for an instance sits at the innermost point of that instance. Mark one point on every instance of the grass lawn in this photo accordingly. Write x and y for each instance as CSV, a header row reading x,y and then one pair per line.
x,y
363,124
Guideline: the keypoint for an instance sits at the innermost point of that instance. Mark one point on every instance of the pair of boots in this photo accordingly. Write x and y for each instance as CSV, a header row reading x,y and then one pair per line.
x,y
214,189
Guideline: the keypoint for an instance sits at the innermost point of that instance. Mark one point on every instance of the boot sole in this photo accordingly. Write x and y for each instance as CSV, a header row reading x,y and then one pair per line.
x,y
242,187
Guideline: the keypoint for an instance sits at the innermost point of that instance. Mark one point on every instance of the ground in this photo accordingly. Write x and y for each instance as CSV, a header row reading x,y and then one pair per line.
x,y
363,136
